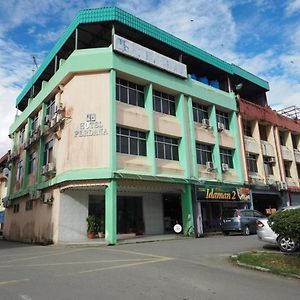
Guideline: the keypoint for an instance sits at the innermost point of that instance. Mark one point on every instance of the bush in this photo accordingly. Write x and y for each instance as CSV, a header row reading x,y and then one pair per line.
x,y
286,223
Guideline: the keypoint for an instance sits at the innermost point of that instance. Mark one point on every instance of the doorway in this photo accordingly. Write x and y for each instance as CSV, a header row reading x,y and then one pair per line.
x,y
172,211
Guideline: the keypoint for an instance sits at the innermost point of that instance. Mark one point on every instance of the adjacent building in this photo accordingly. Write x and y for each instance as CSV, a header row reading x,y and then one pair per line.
x,y
4,174
129,123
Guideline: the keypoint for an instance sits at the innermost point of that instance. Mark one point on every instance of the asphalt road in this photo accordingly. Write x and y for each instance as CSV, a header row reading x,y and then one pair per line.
x,y
183,269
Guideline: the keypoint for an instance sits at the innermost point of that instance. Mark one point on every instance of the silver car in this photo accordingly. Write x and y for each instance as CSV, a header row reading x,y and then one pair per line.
x,y
266,234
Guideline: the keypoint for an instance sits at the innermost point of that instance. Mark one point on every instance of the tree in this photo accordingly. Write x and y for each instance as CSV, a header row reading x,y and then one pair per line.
x,y
286,223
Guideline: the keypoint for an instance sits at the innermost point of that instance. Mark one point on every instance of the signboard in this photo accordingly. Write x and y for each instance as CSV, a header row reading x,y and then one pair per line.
x,y
91,127
223,194
149,56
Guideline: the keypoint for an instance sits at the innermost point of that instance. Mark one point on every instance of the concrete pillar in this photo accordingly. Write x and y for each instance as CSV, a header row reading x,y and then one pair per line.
x,y
111,213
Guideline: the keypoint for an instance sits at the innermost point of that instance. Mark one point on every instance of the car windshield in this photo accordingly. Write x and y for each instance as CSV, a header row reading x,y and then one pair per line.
x,y
229,213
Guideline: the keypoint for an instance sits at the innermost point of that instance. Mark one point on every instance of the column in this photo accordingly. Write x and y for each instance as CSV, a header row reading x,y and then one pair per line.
x,y
111,213
187,208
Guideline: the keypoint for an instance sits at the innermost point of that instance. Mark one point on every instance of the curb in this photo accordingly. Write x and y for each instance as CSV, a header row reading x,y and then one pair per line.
x,y
234,258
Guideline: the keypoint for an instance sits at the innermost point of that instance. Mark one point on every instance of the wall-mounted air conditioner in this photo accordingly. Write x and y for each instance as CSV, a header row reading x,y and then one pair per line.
x,y
221,126
209,165
271,160
283,185
205,123
225,167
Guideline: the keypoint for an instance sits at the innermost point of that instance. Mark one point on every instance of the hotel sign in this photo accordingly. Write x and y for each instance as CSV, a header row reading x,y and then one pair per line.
x,y
91,127
223,193
148,56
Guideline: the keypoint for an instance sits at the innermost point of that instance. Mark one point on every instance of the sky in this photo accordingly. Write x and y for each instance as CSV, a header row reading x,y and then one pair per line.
x,y
261,36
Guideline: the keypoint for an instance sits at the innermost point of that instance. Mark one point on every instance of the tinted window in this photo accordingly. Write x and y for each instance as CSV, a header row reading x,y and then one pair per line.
x,y
229,213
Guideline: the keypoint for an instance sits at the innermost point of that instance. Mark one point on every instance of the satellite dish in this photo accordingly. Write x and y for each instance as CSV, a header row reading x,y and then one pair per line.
x,y
6,172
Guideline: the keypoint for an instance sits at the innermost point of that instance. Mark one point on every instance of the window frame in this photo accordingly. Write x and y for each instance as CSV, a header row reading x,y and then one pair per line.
x,y
226,156
132,136
169,147
223,117
31,162
19,174
130,89
164,103
48,152
205,154
252,163
200,112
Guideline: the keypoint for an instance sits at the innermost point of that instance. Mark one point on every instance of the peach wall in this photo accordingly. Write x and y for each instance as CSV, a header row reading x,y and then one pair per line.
x,y
204,135
132,162
166,124
85,94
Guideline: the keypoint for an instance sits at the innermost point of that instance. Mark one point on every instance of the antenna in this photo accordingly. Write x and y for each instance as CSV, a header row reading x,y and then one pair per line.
x,y
34,69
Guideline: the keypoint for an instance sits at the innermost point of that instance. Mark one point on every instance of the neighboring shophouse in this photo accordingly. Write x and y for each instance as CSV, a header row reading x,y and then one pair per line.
x,y
129,123
4,174
271,145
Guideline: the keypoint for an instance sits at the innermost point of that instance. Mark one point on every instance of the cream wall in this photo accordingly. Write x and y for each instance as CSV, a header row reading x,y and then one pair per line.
x,y
84,94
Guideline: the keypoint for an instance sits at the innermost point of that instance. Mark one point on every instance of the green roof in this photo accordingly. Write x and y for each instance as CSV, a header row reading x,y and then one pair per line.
x,y
116,14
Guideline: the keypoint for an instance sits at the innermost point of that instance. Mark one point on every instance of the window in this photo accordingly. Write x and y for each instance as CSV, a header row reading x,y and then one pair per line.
x,y
16,208
29,205
34,123
226,157
298,170
282,138
263,132
51,108
130,93
295,140
48,153
247,128
204,153
200,112
19,170
287,169
268,166
21,136
164,103
252,163
166,147
222,117
31,162
131,141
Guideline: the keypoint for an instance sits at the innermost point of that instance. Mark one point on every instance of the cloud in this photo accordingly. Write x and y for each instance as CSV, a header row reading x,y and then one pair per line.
x,y
293,7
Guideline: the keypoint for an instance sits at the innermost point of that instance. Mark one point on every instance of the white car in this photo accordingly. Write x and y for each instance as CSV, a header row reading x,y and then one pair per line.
x,y
266,234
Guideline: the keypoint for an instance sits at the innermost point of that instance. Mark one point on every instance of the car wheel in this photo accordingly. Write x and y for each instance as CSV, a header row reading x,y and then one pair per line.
x,y
287,244
226,232
246,230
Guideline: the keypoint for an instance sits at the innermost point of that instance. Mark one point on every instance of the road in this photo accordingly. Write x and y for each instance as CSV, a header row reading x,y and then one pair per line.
x,y
183,269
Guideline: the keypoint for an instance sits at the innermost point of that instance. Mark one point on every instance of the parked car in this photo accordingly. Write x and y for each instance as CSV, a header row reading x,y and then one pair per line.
x,y
239,220
266,234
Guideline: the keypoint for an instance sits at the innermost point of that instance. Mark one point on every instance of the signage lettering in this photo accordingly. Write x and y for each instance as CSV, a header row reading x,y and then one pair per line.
x,y
149,56
91,127
224,193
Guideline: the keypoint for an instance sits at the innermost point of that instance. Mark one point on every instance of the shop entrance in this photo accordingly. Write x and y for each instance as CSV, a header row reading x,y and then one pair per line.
x,y
212,212
130,215
172,211
266,203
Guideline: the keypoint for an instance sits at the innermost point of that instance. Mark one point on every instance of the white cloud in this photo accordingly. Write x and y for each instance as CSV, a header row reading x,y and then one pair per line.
x,y
293,7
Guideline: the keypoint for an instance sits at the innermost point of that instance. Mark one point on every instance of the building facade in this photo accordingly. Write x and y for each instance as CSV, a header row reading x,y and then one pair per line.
x,y
129,123
4,174
271,144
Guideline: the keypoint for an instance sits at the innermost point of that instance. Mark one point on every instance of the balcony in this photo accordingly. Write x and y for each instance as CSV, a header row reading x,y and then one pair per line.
x,y
251,145
267,149
287,154
297,155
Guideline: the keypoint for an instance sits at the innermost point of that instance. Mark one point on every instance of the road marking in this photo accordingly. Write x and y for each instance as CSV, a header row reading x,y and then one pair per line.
x,y
138,253
25,297
84,262
116,267
39,256
13,281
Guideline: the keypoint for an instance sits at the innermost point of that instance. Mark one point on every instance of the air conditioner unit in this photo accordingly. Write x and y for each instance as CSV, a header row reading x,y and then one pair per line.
x,y
209,165
45,169
6,172
47,198
38,194
283,185
51,167
221,126
270,181
205,123
6,202
225,167
32,195
60,106
272,160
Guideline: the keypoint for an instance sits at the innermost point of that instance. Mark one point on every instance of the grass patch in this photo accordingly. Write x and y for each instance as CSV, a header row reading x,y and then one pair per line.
x,y
279,263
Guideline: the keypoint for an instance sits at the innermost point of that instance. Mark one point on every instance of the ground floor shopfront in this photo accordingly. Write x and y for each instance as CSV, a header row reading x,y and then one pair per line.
x,y
212,200
126,207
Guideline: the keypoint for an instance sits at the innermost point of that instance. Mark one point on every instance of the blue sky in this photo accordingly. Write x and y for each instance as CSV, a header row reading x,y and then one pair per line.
x,y
261,36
